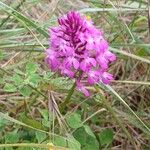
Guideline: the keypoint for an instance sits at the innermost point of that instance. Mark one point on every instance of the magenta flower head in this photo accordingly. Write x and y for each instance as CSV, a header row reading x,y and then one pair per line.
x,y
77,49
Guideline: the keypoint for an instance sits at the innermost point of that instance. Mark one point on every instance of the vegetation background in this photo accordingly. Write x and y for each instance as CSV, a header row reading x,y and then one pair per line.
x,y
33,109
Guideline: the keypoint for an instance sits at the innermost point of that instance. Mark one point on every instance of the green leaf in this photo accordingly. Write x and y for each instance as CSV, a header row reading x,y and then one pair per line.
x,y
106,136
12,137
74,120
59,141
17,79
46,123
3,122
44,113
89,131
73,144
19,72
31,68
80,135
31,122
10,88
24,148
9,148
86,139
25,91
91,144
40,136
34,79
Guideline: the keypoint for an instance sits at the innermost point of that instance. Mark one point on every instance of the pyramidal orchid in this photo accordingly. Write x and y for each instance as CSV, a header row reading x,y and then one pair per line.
x,y
77,49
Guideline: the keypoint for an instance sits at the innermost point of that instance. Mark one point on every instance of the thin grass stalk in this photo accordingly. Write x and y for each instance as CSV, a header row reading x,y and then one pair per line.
x,y
118,120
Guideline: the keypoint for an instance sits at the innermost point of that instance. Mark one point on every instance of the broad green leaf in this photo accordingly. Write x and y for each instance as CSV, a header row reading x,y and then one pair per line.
x,y
3,122
17,79
89,131
19,72
46,123
91,144
106,136
10,88
25,91
40,136
12,137
80,135
87,141
31,68
44,113
74,144
9,148
74,120
34,79
59,141
31,122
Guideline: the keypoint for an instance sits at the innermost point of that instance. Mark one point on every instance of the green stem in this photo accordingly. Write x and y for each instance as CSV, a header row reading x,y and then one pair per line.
x,y
118,120
67,99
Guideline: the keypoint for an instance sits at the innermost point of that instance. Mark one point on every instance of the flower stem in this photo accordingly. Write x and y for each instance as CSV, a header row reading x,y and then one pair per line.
x,y
67,99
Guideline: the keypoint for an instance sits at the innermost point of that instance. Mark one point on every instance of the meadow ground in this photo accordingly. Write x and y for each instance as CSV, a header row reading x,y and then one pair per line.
x,y
37,106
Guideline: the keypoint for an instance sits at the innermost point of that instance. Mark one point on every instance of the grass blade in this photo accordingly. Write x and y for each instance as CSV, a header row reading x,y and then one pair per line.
x,y
111,10
128,107
130,55
133,82
23,18
5,116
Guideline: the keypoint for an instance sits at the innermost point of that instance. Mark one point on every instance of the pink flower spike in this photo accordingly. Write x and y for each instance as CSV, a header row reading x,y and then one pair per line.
x,y
77,49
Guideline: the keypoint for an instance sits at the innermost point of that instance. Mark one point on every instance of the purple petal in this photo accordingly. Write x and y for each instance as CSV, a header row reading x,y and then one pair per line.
x,y
103,62
75,63
107,77
82,89
93,77
110,56
83,65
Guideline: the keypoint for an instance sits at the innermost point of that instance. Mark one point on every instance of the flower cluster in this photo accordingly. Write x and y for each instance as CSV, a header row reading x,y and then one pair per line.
x,y
77,49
